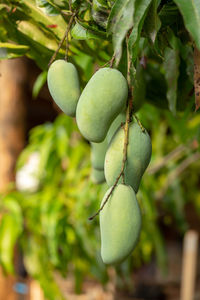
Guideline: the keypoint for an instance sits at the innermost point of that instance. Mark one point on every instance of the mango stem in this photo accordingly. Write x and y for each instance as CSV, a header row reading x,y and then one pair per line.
x,y
66,35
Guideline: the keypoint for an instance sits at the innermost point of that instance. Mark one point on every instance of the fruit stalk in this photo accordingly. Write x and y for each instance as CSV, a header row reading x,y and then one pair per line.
x,y
63,39
126,133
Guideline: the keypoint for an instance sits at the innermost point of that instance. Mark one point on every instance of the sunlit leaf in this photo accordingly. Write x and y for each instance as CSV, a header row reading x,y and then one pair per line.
x,y
119,22
8,50
190,11
152,22
38,84
141,8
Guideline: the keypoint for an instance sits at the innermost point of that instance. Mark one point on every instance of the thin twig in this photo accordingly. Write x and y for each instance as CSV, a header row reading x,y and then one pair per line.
x,y
126,130
139,123
57,50
112,61
63,39
70,5
197,77
67,33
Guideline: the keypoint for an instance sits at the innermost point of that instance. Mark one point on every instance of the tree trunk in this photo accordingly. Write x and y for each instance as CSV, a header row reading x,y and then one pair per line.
x,y
12,137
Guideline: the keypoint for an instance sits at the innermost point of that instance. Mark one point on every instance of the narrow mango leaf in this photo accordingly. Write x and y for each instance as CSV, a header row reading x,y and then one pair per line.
x,y
55,23
190,11
116,13
78,32
10,229
197,77
141,8
8,50
152,22
171,67
119,22
93,29
139,88
60,3
47,7
40,81
36,34
3,8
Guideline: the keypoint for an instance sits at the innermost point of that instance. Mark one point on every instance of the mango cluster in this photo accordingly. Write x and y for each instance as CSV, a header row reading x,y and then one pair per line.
x,y
100,116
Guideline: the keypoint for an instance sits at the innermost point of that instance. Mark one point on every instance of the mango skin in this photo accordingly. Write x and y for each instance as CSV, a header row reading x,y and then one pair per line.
x,y
120,224
121,118
98,152
138,156
63,84
97,176
103,98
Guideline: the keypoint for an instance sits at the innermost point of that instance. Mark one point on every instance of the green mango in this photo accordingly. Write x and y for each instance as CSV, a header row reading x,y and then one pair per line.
x,y
138,156
120,224
121,118
63,84
103,98
97,176
98,152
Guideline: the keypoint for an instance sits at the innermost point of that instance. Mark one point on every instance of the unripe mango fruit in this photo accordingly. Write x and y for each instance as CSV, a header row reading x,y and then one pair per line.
x,y
98,152
138,156
121,118
120,224
103,98
63,84
97,176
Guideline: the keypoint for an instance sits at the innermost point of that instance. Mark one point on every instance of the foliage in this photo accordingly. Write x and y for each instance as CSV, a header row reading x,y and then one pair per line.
x,y
160,36
50,222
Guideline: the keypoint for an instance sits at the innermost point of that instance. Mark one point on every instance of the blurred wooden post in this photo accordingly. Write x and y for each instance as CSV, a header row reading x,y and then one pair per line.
x,y
12,137
190,249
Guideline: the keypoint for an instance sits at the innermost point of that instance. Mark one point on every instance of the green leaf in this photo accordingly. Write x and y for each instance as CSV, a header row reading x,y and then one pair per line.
x,y
139,88
78,32
94,29
190,11
10,229
152,22
141,8
171,67
47,21
8,50
38,84
35,33
119,22
47,7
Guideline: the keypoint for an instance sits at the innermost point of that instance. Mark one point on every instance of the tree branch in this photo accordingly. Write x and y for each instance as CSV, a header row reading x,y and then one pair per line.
x,y
67,33
197,77
63,39
126,131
